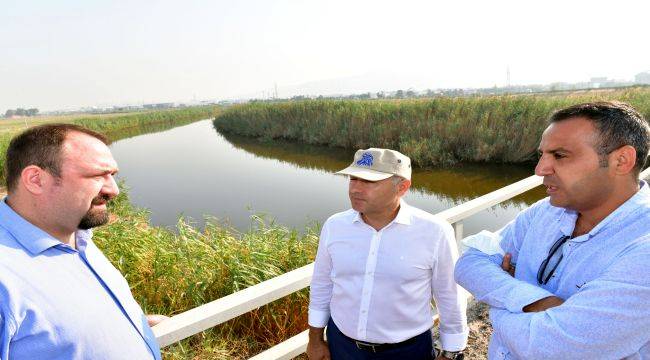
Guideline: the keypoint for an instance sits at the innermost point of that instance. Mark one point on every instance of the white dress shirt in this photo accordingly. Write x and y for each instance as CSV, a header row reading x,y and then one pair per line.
x,y
378,285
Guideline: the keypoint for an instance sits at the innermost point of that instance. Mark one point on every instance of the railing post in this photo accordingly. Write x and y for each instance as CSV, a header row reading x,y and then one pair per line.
x,y
458,230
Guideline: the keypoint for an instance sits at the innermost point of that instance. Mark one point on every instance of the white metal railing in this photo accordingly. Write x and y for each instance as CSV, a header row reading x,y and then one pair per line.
x,y
216,312
221,310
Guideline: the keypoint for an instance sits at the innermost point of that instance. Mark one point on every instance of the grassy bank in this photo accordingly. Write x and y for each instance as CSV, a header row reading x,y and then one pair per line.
x,y
115,126
435,131
173,272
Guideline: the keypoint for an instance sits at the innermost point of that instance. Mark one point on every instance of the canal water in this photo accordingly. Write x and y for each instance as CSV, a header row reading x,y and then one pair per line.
x,y
195,172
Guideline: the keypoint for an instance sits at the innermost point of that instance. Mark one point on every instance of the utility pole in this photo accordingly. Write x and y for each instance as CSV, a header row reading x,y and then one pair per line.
x,y
508,76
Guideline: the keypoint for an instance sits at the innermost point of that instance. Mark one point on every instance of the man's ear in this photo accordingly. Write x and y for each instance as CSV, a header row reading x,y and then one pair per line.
x,y
35,179
403,186
623,159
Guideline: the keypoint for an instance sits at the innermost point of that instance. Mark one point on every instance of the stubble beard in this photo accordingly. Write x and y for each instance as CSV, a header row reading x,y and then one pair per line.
x,y
95,217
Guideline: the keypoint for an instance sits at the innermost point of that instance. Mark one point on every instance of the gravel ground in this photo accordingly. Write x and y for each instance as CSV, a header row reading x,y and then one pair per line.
x,y
479,331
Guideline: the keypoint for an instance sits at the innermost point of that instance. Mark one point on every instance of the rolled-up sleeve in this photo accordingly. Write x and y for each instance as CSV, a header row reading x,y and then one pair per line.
x,y
450,299
320,290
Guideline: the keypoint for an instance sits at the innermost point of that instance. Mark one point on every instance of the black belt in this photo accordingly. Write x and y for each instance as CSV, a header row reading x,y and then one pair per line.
x,y
375,348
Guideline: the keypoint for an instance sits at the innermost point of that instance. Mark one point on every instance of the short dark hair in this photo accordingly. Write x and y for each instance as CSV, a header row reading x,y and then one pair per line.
x,y
40,146
618,124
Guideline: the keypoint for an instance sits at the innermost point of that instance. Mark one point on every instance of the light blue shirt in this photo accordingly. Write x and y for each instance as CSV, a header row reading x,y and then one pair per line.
x,y
604,278
60,303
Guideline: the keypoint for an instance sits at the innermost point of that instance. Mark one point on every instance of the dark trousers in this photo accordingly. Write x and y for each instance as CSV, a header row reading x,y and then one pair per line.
x,y
343,348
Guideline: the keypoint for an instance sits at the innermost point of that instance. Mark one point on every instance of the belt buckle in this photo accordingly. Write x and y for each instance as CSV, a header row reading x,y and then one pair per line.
x,y
363,346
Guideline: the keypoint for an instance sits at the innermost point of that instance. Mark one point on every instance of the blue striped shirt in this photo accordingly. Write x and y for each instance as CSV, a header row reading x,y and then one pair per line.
x,y
57,302
604,278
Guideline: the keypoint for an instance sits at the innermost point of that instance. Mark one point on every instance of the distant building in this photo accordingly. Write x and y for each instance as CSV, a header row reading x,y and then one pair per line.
x,y
596,82
642,78
126,108
158,106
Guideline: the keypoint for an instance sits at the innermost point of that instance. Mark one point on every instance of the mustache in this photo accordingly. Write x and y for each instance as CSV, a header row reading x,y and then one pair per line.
x,y
100,199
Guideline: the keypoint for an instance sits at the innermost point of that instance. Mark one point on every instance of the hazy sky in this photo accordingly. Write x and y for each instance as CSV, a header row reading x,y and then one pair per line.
x,y
63,54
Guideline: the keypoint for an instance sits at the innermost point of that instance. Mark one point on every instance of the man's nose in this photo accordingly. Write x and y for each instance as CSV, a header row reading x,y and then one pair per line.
x,y
110,187
355,186
544,166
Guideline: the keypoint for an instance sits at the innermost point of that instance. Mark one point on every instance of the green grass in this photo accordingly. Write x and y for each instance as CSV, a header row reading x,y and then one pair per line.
x,y
438,131
173,272
115,126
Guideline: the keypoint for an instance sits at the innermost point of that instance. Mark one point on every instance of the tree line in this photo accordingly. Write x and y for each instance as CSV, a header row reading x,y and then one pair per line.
x,y
21,112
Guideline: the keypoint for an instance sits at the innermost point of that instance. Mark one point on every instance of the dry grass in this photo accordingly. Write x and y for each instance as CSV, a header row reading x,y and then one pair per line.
x,y
19,124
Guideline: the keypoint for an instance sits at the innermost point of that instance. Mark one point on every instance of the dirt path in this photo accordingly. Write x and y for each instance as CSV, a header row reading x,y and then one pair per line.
x,y
480,331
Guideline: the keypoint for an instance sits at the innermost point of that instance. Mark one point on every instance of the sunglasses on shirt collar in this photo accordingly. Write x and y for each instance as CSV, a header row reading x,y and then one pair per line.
x,y
547,269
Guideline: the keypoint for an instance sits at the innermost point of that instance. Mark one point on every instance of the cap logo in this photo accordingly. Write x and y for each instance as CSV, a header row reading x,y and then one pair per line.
x,y
366,160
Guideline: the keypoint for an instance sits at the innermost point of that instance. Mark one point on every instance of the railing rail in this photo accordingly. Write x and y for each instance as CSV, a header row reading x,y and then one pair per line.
x,y
221,310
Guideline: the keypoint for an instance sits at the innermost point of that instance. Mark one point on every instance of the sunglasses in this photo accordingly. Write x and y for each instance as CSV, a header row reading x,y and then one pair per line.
x,y
546,270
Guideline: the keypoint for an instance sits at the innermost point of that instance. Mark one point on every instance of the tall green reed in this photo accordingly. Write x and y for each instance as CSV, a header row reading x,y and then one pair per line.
x,y
438,131
171,272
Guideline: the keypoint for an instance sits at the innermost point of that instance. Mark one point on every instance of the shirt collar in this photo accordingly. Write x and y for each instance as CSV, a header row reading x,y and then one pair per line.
x,y
403,215
31,237
82,238
640,198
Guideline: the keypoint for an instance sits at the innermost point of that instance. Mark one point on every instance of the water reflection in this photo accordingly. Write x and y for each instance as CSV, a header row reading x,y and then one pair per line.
x,y
195,171
459,184
148,128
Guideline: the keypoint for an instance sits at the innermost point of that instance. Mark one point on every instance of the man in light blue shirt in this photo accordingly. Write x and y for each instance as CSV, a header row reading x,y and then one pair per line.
x,y
581,285
60,298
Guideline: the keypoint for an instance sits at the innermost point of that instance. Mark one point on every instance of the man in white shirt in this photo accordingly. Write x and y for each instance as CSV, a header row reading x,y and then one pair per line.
x,y
377,269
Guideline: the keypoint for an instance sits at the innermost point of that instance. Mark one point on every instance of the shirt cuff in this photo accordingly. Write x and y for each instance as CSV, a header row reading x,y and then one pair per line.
x,y
318,318
454,342
528,295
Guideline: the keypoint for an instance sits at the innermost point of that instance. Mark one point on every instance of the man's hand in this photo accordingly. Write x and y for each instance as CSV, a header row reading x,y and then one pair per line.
x,y
440,357
543,304
507,266
317,347
154,319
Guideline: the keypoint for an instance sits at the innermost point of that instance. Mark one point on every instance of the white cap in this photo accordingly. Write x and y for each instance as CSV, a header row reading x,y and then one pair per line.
x,y
378,164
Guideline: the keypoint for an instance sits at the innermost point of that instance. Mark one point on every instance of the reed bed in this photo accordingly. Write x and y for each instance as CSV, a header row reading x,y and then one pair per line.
x,y
437,131
115,126
171,272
